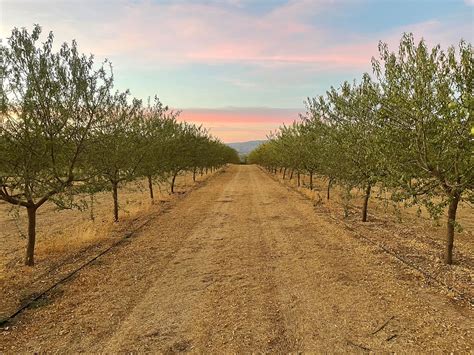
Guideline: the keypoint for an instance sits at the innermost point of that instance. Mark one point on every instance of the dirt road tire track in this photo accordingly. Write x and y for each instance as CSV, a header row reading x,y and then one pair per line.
x,y
243,264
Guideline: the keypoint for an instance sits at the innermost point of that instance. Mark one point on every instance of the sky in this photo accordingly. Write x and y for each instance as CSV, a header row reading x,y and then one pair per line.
x,y
239,67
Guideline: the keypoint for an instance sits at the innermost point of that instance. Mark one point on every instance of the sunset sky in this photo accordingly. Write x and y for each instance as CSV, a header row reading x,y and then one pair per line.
x,y
239,67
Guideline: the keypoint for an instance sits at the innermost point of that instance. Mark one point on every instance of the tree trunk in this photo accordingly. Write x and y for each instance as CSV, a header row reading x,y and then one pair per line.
x,y
30,247
291,174
311,180
453,207
115,196
172,182
150,187
206,171
194,175
284,173
299,178
366,202
329,188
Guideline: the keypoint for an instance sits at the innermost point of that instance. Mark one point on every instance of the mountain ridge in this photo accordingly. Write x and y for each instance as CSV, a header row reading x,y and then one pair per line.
x,y
244,148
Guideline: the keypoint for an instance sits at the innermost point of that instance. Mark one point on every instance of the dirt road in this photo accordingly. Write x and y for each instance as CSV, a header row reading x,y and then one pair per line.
x,y
243,264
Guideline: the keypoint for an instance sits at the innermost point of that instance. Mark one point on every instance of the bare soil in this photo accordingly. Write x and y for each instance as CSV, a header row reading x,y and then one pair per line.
x,y
245,264
68,238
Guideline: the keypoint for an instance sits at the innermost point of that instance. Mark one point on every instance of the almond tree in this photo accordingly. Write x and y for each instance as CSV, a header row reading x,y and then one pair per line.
x,y
325,146
290,141
50,104
427,117
158,126
352,114
117,149
178,153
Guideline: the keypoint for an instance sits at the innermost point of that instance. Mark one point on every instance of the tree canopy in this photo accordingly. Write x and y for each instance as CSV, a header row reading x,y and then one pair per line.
x,y
408,128
64,130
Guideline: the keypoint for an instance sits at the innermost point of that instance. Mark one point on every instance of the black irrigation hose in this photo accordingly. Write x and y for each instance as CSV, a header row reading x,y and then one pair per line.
x,y
460,294
403,260
26,305
7,319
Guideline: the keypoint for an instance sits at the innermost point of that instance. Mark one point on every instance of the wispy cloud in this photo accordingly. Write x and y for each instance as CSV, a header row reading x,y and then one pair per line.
x,y
183,32
240,123
213,53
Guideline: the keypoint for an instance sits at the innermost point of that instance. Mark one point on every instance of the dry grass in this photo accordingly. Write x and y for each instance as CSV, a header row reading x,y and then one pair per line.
x,y
415,237
65,237
380,206
242,265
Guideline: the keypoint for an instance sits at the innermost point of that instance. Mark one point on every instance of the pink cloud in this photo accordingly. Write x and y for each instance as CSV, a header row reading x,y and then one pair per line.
x,y
175,33
240,124
178,33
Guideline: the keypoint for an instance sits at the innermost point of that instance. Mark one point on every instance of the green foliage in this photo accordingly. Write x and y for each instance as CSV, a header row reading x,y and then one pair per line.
x,y
50,103
64,133
427,116
115,150
409,131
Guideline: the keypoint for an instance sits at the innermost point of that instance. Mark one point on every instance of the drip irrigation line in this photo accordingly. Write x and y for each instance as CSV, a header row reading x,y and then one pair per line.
x,y
38,296
429,276
6,320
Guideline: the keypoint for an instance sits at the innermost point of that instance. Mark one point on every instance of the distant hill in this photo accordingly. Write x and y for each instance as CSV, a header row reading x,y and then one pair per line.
x,y
244,148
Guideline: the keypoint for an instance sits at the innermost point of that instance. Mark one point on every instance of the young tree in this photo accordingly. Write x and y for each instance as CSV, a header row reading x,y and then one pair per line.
x,y
158,125
323,140
411,130
117,149
50,104
427,117
178,151
352,112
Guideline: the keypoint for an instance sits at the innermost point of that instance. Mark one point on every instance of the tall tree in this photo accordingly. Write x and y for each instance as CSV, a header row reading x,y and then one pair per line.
x,y
428,114
50,104
352,112
157,127
117,148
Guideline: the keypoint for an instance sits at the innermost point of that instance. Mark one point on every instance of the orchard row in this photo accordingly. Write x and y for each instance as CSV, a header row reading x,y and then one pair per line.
x,y
408,128
65,132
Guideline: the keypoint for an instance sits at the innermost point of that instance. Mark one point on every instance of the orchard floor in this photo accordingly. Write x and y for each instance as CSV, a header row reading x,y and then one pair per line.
x,y
244,264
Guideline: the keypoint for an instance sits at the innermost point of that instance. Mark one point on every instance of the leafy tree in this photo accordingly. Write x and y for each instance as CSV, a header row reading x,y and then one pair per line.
x,y
179,151
427,117
352,114
158,125
325,146
50,104
411,131
117,149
